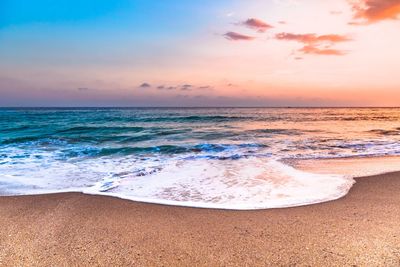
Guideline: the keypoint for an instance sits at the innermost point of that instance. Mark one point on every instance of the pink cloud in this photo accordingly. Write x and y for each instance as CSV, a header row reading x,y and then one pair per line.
x,y
312,37
257,24
370,11
315,44
310,49
234,36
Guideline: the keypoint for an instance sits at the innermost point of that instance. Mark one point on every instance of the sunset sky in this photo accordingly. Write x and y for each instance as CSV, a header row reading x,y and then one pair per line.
x,y
200,53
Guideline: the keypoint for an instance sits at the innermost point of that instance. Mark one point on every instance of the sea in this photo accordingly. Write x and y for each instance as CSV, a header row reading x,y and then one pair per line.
x,y
223,158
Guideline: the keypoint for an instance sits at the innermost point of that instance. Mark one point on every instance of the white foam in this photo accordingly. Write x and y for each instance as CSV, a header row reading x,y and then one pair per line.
x,y
240,184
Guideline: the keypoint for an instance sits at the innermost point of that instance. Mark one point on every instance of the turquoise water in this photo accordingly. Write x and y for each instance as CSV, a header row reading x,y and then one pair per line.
x,y
205,157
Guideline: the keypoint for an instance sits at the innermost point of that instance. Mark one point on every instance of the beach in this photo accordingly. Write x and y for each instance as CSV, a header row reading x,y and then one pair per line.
x,y
360,229
200,133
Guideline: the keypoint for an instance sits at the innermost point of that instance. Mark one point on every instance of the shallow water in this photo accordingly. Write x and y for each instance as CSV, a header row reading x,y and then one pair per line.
x,y
234,158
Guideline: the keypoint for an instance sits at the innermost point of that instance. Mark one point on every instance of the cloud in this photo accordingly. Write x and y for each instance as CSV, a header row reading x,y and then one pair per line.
x,y
205,87
310,49
163,87
315,44
183,87
186,87
282,22
82,89
371,11
234,36
312,38
145,85
256,24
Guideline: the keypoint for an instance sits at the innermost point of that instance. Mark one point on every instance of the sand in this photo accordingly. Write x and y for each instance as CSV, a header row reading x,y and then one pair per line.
x,y
72,229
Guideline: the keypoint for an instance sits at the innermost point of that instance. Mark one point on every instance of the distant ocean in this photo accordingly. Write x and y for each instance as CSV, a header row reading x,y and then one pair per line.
x,y
230,158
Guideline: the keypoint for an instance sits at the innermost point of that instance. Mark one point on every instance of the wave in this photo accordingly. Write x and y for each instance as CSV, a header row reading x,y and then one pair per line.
x,y
395,131
241,184
14,129
275,132
237,183
100,129
194,119
163,149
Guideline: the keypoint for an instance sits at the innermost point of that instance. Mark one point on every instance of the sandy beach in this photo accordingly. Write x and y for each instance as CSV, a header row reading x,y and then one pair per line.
x,y
71,229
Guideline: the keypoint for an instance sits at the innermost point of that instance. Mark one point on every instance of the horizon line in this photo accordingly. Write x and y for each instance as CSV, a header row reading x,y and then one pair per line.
x,y
127,107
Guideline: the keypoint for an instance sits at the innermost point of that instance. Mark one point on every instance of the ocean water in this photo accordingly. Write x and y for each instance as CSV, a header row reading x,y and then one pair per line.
x,y
230,158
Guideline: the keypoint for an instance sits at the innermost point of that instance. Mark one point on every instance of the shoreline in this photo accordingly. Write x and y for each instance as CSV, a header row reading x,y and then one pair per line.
x,y
349,168
360,228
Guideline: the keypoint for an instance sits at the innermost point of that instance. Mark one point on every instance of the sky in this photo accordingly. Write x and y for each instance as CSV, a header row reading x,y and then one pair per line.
x,y
200,53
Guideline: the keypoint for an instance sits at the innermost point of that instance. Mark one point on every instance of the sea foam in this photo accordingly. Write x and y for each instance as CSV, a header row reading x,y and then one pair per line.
x,y
243,184
239,183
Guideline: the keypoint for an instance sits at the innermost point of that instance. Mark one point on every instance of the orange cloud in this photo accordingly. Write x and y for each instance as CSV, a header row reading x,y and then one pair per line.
x,y
257,24
310,49
234,36
312,38
370,11
313,42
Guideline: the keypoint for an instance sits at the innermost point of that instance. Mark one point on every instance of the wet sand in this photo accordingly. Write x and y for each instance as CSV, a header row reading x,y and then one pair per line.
x,y
72,229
